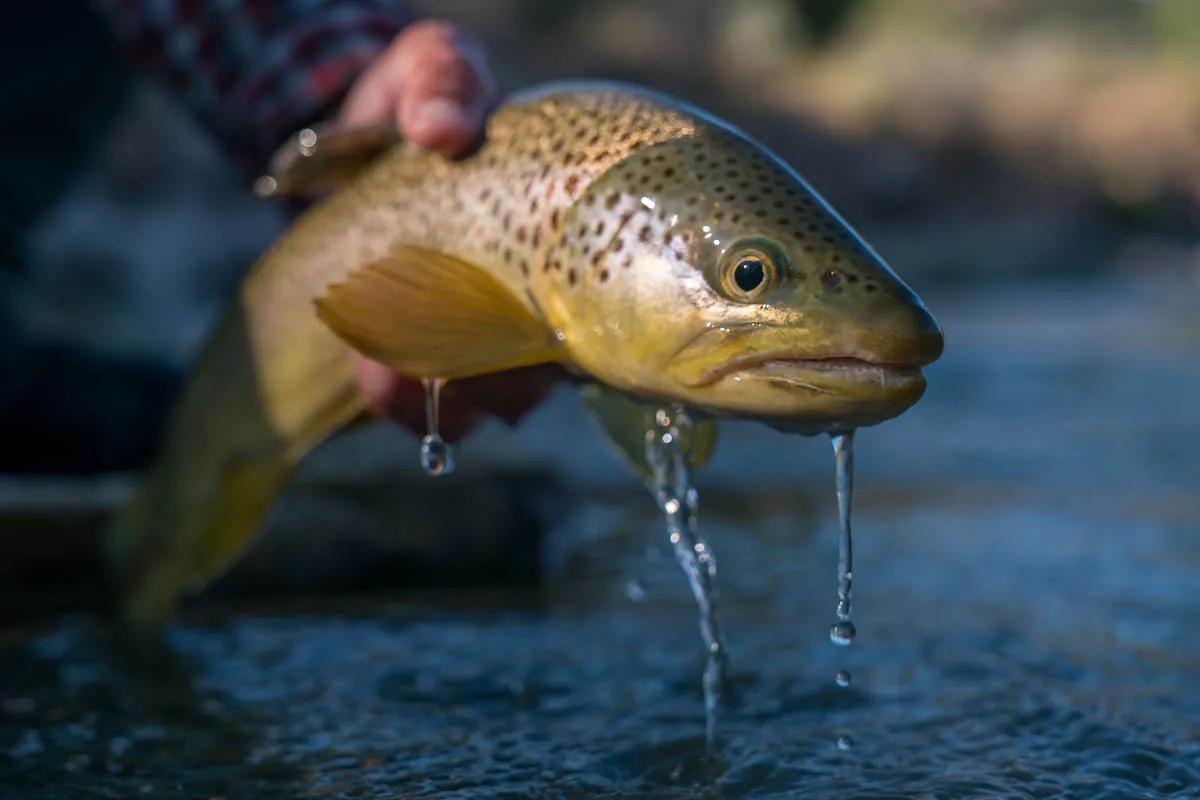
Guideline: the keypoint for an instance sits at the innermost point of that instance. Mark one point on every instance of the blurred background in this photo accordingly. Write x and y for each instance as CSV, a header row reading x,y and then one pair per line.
x,y
1029,535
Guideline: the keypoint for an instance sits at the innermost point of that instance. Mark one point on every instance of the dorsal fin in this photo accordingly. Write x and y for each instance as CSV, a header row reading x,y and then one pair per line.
x,y
429,315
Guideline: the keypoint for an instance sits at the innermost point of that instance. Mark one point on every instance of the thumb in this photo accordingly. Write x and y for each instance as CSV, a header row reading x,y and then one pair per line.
x,y
446,88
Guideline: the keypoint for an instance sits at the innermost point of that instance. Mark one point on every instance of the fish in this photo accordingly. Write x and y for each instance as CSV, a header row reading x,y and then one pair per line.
x,y
654,251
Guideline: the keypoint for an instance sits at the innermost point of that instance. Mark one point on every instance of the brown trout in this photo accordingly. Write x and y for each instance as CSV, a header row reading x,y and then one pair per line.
x,y
643,244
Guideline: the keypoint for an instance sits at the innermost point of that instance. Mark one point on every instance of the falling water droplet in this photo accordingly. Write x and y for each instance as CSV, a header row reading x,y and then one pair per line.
x,y
842,633
842,678
635,590
845,741
436,456
667,442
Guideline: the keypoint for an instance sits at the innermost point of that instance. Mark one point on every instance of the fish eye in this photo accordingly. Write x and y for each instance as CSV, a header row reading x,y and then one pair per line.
x,y
749,273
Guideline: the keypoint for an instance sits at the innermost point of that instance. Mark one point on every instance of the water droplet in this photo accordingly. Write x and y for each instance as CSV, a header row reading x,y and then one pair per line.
x,y
842,678
845,741
436,456
635,590
842,633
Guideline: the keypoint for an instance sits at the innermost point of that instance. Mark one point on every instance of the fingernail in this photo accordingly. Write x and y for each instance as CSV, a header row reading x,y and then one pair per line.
x,y
439,115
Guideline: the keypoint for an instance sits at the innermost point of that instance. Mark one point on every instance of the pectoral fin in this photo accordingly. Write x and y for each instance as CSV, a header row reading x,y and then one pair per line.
x,y
625,420
322,158
429,315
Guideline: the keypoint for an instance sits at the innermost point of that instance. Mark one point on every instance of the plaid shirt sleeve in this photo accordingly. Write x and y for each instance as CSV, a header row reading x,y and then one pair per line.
x,y
255,71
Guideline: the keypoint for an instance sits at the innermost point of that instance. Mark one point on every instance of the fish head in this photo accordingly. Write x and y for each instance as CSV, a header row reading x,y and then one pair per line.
x,y
717,278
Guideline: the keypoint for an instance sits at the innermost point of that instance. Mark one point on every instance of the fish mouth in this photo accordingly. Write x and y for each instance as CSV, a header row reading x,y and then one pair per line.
x,y
832,375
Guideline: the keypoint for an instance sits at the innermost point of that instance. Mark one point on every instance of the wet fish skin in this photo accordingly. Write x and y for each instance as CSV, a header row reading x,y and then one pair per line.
x,y
613,218
608,212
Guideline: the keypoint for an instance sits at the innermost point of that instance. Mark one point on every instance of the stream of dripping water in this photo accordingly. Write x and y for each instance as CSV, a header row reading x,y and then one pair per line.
x,y
667,443
842,633
436,457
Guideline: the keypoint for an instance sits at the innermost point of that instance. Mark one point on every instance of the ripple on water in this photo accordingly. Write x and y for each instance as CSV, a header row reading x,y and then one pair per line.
x,y
507,703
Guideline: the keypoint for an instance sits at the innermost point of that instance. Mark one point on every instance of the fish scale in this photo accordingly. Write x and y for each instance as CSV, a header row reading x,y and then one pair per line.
x,y
500,209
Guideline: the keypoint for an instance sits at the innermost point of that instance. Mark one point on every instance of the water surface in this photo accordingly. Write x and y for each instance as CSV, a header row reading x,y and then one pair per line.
x,y
1027,578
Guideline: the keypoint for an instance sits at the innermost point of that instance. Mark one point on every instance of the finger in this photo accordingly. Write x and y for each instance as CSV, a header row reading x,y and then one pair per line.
x,y
446,88
371,101
513,394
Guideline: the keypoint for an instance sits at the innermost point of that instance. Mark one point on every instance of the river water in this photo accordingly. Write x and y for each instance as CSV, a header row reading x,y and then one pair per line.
x,y
1027,599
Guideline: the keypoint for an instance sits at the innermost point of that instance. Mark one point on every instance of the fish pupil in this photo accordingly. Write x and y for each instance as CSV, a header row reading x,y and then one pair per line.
x,y
748,274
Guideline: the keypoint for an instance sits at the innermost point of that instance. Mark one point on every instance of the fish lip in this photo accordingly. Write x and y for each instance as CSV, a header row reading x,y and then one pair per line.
x,y
836,366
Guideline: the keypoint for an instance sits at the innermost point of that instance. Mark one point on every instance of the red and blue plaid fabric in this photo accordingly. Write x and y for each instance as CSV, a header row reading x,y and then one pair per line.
x,y
254,71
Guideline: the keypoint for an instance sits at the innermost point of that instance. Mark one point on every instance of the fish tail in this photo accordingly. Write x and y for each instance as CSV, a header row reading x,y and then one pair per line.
x,y
233,443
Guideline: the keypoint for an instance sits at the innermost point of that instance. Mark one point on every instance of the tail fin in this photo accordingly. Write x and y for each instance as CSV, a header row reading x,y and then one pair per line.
x,y
250,411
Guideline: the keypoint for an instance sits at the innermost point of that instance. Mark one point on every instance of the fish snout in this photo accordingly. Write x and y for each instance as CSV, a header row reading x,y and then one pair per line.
x,y
899,333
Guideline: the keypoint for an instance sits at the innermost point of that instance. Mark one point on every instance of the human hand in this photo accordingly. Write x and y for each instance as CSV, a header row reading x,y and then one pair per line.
x,y
433,83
